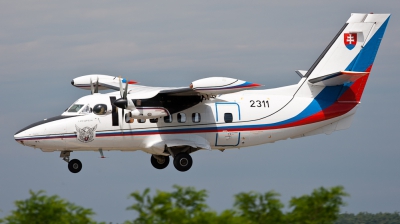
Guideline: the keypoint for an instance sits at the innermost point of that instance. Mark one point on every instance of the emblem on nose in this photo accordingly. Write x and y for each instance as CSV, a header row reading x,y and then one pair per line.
x,y
85,134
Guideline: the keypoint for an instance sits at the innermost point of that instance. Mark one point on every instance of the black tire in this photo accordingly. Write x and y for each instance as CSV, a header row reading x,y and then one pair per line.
x,y
183,161
159,164
75,166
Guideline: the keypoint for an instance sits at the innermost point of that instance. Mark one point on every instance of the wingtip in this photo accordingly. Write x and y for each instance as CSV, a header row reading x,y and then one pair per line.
x,y
255,85
132,82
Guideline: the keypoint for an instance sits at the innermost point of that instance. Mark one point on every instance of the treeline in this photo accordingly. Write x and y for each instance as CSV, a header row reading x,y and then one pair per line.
x,y
369,218
188,205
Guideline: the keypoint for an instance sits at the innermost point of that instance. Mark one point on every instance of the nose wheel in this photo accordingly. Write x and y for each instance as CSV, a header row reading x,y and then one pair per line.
x,y
75,166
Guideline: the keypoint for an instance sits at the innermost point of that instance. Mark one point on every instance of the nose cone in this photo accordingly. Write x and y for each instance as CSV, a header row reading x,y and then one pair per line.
x,y
19,136
35,130
72,82
25,135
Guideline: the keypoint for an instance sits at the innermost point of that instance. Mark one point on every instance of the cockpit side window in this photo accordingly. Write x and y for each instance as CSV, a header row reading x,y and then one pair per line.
x,y
75,108
100,109
86,110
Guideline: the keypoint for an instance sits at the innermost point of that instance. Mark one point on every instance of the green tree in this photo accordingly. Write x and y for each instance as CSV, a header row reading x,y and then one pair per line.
x,y
322,206
183,205
259,208
186,205
43,209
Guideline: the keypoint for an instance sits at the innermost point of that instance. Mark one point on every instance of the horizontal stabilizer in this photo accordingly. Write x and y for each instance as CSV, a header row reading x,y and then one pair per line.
x,y
337,78
301,73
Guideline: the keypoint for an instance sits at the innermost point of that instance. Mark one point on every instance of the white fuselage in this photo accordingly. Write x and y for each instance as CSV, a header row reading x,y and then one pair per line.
x,y
257,117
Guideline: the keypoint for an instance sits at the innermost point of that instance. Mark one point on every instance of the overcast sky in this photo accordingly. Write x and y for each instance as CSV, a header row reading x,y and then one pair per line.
x,y
45,44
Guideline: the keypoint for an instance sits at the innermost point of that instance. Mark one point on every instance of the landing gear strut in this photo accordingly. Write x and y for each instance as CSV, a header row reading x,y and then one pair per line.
x,y
159,162
74,165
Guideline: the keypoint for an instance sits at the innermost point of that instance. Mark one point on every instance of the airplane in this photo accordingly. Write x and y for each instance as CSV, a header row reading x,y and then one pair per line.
x,y
214,113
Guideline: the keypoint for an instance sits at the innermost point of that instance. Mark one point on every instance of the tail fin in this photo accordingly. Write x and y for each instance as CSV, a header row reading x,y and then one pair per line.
x,y
336,81
347,60
354,48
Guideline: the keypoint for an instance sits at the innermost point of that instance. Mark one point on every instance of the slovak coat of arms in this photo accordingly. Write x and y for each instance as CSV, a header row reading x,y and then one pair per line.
x,y
85,134
350,40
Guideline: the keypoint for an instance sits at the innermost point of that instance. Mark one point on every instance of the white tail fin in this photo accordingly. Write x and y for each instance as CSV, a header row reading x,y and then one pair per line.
x,y
336,80
354,48
352,51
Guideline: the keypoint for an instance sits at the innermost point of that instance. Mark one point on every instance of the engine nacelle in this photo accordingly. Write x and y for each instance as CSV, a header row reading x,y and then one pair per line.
x,y
83,82
221,85
149,112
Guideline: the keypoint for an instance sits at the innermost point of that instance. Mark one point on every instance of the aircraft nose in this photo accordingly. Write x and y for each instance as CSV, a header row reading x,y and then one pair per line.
x,y
29,131
24,135
37,129
19,136
72,82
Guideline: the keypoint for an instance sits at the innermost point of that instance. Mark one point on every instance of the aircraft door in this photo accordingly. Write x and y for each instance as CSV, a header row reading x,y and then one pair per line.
x,y
227,113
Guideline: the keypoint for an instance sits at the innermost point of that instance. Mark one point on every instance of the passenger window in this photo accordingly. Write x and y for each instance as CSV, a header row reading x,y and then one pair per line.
x,y
142,120
228,117
181,117
129,118
154,120
196,117
168,119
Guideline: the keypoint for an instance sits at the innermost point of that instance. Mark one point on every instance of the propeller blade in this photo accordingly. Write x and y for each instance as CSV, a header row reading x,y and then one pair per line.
x,y
91,86
96,89
122,120
120,87
126,90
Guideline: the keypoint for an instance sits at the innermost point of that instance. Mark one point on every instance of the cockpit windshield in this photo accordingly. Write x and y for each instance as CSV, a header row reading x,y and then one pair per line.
x,y
75,108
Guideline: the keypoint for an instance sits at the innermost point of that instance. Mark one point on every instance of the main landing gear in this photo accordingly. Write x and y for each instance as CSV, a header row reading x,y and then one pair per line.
x,y
159,162
74,165
182,161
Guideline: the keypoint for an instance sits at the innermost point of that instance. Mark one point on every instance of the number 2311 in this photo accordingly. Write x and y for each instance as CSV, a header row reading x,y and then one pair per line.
x,y
259,103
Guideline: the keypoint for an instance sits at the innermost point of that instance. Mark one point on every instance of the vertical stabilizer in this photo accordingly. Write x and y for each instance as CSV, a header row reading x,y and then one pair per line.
x,y
336,80
354,48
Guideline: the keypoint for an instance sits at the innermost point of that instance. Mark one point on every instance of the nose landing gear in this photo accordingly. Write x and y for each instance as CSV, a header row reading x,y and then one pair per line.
x,y
74,165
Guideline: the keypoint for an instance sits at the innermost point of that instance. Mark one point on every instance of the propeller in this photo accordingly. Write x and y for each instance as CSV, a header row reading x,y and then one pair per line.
x,y
123,101
95,88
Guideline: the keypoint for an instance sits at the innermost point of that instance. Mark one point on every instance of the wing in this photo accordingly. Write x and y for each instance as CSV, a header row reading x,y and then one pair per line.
x,y
209,86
